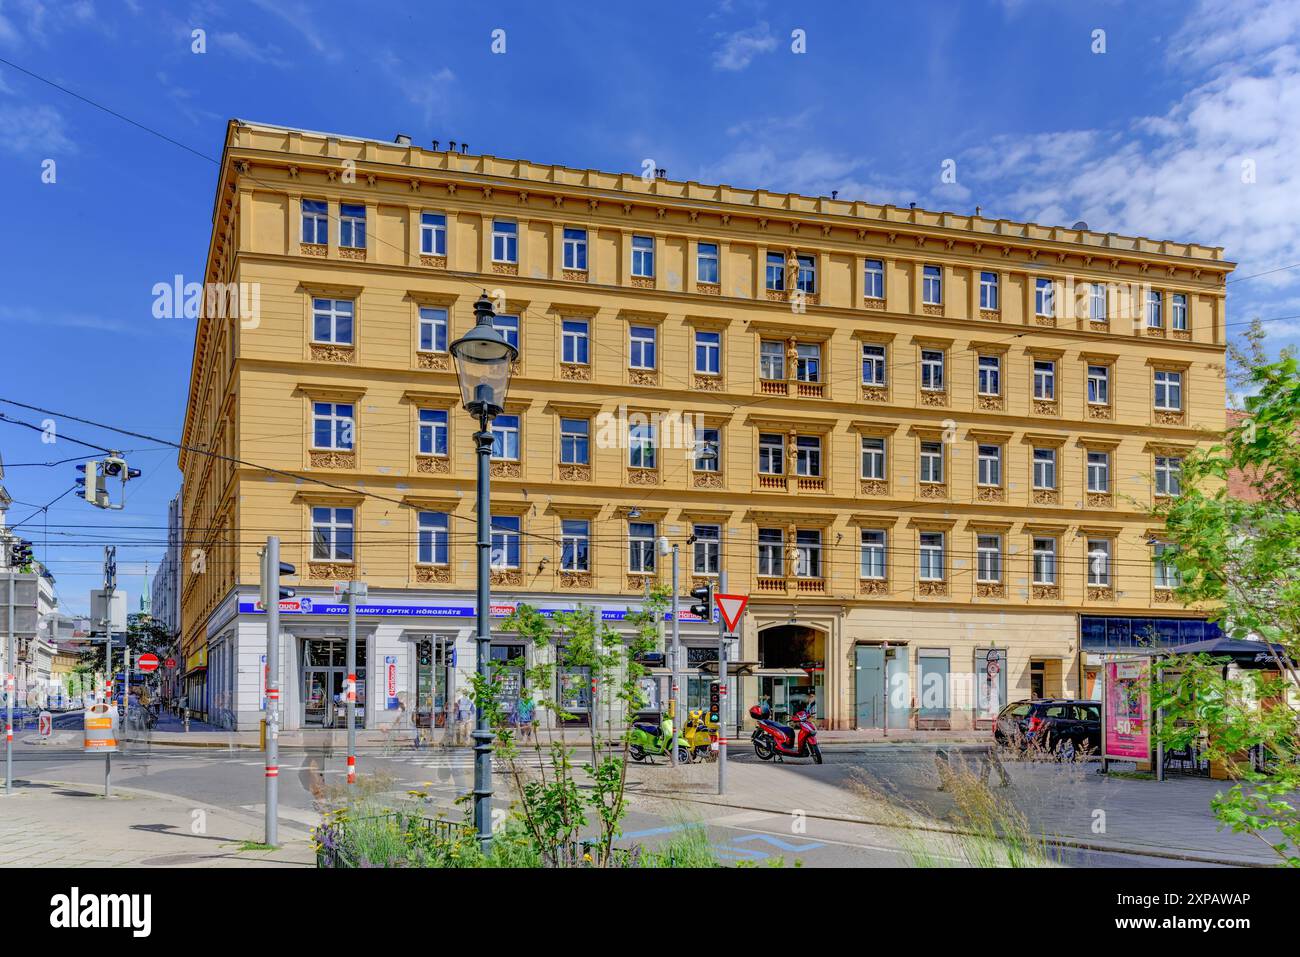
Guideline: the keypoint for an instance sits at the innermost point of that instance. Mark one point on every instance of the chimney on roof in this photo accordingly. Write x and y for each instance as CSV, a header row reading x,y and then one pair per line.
x,y
401,139
979,210
452,145
835,194
912,205
464,147
435,146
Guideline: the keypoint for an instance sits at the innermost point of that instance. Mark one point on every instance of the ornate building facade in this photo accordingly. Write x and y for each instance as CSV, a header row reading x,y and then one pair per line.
x,y
926,444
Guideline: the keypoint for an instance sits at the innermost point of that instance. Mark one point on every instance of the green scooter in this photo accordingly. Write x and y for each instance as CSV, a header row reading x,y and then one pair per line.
x,y
649,739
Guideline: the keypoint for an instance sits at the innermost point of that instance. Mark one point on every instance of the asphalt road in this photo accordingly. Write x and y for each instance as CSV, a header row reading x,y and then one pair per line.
x,y
750,829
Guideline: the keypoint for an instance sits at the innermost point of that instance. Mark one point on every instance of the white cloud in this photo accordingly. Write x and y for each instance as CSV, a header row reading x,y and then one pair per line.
x,y
738,49
302,19
33,130
240,46
428,91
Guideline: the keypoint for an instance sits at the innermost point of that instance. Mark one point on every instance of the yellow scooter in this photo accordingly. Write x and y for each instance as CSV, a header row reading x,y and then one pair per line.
x,y
700,736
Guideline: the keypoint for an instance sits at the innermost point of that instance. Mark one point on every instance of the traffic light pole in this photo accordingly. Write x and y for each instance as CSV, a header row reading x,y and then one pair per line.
x,y
271,601
11,685
352,682
722,691
676,702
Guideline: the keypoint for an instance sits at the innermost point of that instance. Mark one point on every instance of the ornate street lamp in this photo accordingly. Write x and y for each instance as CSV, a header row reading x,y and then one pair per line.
x,y
483,364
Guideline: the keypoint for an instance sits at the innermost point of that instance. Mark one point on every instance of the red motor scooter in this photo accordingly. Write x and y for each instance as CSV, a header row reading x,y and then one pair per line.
x,y
772,740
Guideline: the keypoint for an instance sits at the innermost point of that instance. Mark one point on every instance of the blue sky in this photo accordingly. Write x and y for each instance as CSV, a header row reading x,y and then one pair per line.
x,y
1148,137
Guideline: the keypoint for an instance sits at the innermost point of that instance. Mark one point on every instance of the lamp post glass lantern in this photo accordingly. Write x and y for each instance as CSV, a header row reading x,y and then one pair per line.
x,y
483,359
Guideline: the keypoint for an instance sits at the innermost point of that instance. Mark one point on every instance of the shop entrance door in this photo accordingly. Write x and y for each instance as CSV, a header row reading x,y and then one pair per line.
x,y
870,686
318,697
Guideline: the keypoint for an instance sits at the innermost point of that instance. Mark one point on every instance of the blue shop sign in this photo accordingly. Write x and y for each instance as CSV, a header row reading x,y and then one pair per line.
x,y
309,606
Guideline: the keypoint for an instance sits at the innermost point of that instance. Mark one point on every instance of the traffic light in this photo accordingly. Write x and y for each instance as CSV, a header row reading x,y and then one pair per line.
x,y
267,579
20,553
703,596
715,702
93,481
92,486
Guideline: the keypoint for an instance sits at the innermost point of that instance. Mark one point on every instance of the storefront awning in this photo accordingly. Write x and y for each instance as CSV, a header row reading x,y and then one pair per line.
x,y
781,672
734,668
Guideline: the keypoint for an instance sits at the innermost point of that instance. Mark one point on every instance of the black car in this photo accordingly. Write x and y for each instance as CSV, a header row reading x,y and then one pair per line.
x,y
1052,724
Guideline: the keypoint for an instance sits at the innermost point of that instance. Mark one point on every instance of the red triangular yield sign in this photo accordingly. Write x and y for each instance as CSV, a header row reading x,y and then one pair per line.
x,y
731,607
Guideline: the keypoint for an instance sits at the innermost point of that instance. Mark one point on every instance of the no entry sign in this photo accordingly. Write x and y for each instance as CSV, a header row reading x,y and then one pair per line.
x,y
170,663
147,663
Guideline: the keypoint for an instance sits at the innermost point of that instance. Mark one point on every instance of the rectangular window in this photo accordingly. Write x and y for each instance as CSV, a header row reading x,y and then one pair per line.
x,y
988,290
807,275
1044,561
1169,390
709,440
990,375
331,534
1044,297
771,359
706,263
574,342
505,241
641,445
1169,475
433,432
508,328
1178,312
575,447
352,226
771,453
1044,468
1099,562
1097,302
708,549
1045,379
932,563
1098,385
332,425
988,558
808,553
932,370
641,347
331,321
315,221
575,545
505,541
575,248
505,437
873,458
808,362
433,538
433,234
873,365
433,329
775,276
640,546
771,552
1155,309
643,257
873,285
990,465
1098,471
1166,572
873,553
808,455
932,462
932,286
708,352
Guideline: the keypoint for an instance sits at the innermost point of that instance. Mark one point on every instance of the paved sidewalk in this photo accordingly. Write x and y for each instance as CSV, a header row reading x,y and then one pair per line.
x,y
45,824
1069,803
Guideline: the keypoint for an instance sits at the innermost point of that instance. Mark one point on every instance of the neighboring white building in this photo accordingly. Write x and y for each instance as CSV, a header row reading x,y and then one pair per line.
x,y
165,591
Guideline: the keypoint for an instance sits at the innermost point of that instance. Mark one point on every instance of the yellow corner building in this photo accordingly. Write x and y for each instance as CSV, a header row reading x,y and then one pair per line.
x,y
926,444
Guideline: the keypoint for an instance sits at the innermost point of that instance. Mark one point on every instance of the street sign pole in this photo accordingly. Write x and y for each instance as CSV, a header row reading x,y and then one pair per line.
x,y
271,602
11,685
352,681
722,690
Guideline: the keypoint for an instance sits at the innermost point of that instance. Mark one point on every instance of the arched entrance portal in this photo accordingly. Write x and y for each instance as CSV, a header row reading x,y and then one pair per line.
x,y
792,669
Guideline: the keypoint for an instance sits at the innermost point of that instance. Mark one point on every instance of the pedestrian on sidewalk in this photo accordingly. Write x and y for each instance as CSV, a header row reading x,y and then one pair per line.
x,y
524,718
464,714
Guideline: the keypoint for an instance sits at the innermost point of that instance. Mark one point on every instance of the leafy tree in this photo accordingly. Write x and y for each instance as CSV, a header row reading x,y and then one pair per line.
x,y
1241,554
554,805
